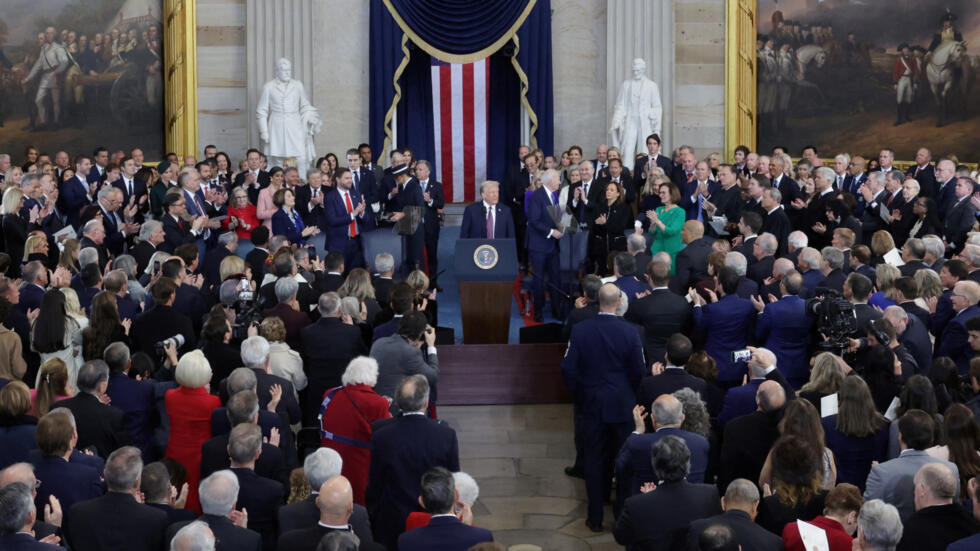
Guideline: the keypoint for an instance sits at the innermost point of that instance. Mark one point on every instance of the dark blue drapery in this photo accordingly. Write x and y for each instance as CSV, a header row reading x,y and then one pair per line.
x,y
451,30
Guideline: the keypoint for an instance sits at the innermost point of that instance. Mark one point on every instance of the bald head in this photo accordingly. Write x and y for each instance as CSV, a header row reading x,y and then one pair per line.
x,y
935,484
692,231
608,297
18,472
667,411
336,501
770,396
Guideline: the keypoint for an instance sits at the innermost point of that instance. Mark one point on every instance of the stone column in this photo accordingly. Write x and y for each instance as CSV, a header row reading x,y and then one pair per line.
x,y
274,29
641,28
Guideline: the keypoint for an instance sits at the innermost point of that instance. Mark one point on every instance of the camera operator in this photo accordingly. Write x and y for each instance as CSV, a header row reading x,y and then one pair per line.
x,y
242,309
398,355
882,332
162,322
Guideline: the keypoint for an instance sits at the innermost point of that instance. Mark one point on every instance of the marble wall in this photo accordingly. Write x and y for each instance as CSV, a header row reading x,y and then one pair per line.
x,y
583,81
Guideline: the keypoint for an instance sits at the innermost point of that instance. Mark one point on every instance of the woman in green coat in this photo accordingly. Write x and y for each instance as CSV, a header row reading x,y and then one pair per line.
x,y
666,223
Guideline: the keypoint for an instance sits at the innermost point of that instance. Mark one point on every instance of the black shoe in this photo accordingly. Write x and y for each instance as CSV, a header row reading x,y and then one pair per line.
x,y
594,526
575,472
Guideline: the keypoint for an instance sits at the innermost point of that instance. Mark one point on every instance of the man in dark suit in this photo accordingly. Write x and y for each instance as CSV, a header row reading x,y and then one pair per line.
x,y
319,467
586,306
100,159
697,190
616,174
653,159
905,291
624,268
257,257
742,400
675,503
543,235
335,267
254,179
727,325
93,235
764,253
671,376
747,439
19,525
691,264
260,496
945,183
162,321
923,172
512,179
394,484
328,345
661,313
35,277
99,425
954,341
938,520
873,193
913,335
243,407
741,504
334,502
445,530
134,397
408,193
726,199
161,495
832,268
309,199
749,225
783,326
788,189
346,216
961,214
857,290
219,494
434,201
814,218
61,477
151,235
227,244
130,186
602,368
776,220
76,192
117,521
475,216
176,230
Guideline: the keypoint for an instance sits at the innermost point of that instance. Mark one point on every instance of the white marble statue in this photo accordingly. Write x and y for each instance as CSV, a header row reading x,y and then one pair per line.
x,y
287,120
638,112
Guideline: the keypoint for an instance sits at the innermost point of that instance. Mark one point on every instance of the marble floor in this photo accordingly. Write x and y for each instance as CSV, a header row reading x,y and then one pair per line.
x,y
517,455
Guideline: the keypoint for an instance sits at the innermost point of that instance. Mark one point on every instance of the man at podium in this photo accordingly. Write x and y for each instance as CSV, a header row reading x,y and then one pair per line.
x,y
487,219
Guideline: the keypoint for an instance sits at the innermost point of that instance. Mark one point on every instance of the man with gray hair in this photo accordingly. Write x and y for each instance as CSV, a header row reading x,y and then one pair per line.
x,y
633,459
196,536
737,262
879,526
636,245
287,309
99,425
328,345
255,356
243,407
394,484
808,264
832,268
94,235
873,193
134,397
748,438
49,529
487,219
913,334
938,521
17,519
211,264
219,493
382,280
543,235
320,466
259,496
117,520
675,503
764,253
741,505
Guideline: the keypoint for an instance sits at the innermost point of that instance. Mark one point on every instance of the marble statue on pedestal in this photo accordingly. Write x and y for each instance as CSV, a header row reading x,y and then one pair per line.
x,y
638,113
287,120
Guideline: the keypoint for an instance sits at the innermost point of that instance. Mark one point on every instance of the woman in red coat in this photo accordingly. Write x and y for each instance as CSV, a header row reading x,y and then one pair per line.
x,y
346,414
189,407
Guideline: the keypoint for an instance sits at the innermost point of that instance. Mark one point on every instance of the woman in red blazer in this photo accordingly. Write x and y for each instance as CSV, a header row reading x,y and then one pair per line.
x,y
346,420
189,407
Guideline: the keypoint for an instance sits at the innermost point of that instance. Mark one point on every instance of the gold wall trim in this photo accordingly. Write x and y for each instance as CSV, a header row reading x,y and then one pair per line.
x,y
180,76
740,75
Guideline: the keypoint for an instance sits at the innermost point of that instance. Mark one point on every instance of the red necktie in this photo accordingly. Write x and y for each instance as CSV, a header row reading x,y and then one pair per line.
x,y
350,210
690,176
889,200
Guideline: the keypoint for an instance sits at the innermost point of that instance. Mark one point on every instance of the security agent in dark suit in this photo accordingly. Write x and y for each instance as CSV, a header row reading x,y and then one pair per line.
x,y
661,313
260,496
602,368
117,521
394,485
219,493
747,439
741,505
17,526
445,530
99,425
675,503
318,467
475,222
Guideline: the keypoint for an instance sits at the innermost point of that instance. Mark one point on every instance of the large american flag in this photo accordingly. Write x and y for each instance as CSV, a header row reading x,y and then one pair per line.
x,y
459,108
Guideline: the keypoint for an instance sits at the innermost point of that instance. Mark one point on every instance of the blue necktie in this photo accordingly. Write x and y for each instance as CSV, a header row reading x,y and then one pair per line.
x,y
700,213
554,197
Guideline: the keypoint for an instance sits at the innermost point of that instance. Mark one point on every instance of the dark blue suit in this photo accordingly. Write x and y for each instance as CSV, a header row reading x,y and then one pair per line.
x,y
727,325
443,534
128,308
386,329
139,190
631,286
25,542
634,456
262,497
944,196
542,248
401,451
337,221
740,401
602,368
94,175
140,417
475,222
410,195
30,297
812,279
292,228
691,207
954,342
70,482
782,326
74,196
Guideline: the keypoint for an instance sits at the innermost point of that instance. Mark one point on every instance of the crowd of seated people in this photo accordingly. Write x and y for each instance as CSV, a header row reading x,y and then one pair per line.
x,y
190,361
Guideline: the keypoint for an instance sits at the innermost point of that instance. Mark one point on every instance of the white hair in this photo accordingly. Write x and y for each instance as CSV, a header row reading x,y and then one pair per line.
x,y
798,239
624,302
219,492
812,258
196,536
88,255
193,370
384,263
361,370
90,226
467,487
880,523
736,261
255,351
322,465
934,245
663,256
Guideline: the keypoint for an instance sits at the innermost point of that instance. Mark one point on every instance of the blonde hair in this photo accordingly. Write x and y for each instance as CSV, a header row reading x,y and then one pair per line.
x,y
72,306
358,285
656,177
32,244
15,399
826,375
11,200
273,329
52,382
193,370
882,242
929,283
885,276
230,266
66,259
418,280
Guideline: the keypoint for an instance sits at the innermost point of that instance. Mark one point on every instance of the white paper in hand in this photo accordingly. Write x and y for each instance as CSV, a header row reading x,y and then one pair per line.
x,y
828,405
894,258
813,537
892,413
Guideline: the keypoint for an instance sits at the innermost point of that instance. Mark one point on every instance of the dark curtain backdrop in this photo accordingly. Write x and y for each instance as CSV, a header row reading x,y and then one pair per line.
x,y
461,27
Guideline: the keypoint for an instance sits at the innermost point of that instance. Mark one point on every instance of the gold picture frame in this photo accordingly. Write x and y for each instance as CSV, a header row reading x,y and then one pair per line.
x,y
180,76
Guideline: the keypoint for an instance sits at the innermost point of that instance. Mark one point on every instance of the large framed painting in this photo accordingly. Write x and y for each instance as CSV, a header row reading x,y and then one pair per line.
x,y
860,75
80,73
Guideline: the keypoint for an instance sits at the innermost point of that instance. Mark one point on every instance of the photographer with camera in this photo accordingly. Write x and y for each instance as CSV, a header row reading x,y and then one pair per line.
x,y
398,355
162,322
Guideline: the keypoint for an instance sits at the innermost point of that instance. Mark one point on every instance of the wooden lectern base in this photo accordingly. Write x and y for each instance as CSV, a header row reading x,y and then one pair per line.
x,y
502,374
486,309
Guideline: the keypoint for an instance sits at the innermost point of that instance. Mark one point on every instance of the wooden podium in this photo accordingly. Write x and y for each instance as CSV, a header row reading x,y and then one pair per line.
x,y
486,270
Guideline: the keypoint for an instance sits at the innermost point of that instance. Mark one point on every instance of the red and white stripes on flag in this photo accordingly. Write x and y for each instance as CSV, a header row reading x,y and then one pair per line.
x,y
459,108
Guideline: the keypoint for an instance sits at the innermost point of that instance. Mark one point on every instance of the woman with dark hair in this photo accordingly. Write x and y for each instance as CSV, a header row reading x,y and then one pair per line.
x,y
840,216
801,419
857,434
286,221
882,372
224,169
961,432
265,207
104,327
796,492
215,338
55,334
918,393
18,430
703,366
927,220
666,222
611,219
332,162
946,381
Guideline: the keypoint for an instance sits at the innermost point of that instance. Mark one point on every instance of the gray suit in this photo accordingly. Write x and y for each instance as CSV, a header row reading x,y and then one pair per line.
x,y
397,359
891,481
